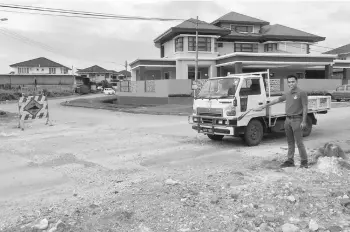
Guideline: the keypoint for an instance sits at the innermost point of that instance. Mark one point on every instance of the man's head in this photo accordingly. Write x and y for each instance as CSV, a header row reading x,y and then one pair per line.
x,y
292,81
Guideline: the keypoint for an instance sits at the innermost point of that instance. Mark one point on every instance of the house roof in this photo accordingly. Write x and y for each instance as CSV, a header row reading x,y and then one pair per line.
x,y
38,62
278,31
124,73
235,17
340,50
189,26
95,69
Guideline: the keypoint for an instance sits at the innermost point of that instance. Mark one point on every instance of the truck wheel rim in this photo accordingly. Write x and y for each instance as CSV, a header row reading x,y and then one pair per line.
x,y
254,133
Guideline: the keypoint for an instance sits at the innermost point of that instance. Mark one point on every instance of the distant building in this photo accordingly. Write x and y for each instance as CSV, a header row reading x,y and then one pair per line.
x,y
40,66
97,74
342,69
39,71
343,52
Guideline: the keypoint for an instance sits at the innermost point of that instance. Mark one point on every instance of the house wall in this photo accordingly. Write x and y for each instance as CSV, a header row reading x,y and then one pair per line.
x,y
41,70
98,77
169,48
41,79
182,68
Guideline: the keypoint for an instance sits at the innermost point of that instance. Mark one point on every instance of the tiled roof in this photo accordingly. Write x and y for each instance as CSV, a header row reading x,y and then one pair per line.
x,y
189,26
94,69
192,23
38,62
278,30
340,50
124,73
239,18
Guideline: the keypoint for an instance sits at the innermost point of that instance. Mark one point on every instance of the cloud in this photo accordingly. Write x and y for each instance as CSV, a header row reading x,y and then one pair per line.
x,y
85,42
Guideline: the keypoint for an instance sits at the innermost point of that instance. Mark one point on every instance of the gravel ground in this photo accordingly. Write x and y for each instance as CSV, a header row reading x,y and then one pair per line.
x,y
96,170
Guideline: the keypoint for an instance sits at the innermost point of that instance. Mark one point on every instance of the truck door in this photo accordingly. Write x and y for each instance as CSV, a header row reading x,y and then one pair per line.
x,y
250,94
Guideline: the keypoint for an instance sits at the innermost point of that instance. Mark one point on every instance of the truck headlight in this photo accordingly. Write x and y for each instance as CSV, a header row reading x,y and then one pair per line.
x,y
231,111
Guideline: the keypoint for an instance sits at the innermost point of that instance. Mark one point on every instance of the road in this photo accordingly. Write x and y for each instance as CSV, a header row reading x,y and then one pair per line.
x,y
87,154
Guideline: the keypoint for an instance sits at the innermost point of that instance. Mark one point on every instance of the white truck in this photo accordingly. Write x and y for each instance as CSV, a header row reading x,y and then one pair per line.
x,y
223,107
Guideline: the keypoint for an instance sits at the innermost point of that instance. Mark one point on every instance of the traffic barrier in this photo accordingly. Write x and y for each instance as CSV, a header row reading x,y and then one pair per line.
x,y
33,107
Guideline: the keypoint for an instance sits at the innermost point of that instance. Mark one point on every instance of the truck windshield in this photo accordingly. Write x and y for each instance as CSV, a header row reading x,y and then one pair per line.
x,y
219,88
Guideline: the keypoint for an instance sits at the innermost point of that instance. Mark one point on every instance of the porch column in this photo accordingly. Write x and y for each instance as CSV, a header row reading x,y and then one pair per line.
x,y
346,76
328,72
238,67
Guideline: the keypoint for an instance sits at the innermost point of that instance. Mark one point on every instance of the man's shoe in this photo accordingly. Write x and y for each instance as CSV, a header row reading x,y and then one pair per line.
x,y
304,164
287,164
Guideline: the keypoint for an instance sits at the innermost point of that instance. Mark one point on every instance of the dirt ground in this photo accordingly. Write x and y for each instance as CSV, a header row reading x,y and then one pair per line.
x,y
98,170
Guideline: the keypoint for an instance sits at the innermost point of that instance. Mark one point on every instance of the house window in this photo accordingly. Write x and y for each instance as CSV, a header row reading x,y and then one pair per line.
x,y
52,70
246,47
242,28
270,47
179,44
23,70
64,70
204,44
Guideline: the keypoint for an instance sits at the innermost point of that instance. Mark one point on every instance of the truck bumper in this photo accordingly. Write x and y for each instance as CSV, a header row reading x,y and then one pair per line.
x,y
212,128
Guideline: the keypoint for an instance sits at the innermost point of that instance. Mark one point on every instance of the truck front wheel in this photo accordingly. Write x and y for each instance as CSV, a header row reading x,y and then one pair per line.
x,y
215,137
253,133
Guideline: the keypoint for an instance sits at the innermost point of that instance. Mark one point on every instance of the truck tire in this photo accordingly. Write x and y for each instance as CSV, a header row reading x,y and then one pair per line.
x,y
253,133
308,129
215,137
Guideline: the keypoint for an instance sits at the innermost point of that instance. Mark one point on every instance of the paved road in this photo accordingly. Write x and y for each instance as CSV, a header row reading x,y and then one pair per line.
x,y
86,148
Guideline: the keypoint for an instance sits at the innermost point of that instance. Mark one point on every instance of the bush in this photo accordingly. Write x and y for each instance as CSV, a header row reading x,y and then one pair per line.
x,y
179,95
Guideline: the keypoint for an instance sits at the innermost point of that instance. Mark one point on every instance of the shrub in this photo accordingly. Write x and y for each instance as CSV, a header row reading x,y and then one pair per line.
x,y
179,95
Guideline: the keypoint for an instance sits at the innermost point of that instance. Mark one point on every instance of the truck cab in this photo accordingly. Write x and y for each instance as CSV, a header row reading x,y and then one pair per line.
x,y
223,107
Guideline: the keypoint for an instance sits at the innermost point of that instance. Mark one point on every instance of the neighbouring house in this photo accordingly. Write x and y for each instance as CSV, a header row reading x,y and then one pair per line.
x,y
233,43
97,74
343,54
39,66
39,71
124,75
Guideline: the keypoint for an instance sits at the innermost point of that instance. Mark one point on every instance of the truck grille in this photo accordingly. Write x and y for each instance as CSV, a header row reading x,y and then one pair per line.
x,y
212,112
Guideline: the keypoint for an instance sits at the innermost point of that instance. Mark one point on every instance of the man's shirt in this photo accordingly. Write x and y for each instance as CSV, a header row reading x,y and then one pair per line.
x,y
295,100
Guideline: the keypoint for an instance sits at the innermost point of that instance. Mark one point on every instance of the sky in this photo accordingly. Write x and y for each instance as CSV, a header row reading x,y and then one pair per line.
x,y
81,43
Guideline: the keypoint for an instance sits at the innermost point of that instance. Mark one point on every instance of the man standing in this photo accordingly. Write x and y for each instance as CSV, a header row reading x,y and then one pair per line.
x,y
296,111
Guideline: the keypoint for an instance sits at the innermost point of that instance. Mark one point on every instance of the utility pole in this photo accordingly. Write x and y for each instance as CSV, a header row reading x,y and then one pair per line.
x,y
196,67
126,69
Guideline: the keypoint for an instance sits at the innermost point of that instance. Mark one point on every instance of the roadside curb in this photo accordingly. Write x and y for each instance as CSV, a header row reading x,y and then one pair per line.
x,y
126,110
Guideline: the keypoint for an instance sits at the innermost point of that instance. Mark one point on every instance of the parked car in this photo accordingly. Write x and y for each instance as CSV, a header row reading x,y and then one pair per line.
x,y
99,88
109,91
341,93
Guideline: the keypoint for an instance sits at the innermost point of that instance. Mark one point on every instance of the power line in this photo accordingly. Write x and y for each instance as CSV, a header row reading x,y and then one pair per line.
x,y
59,15
85,13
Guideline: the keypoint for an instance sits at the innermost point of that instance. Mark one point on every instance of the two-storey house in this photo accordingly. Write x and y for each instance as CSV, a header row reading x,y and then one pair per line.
x,y
40,66
233,43
342,67
39,71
